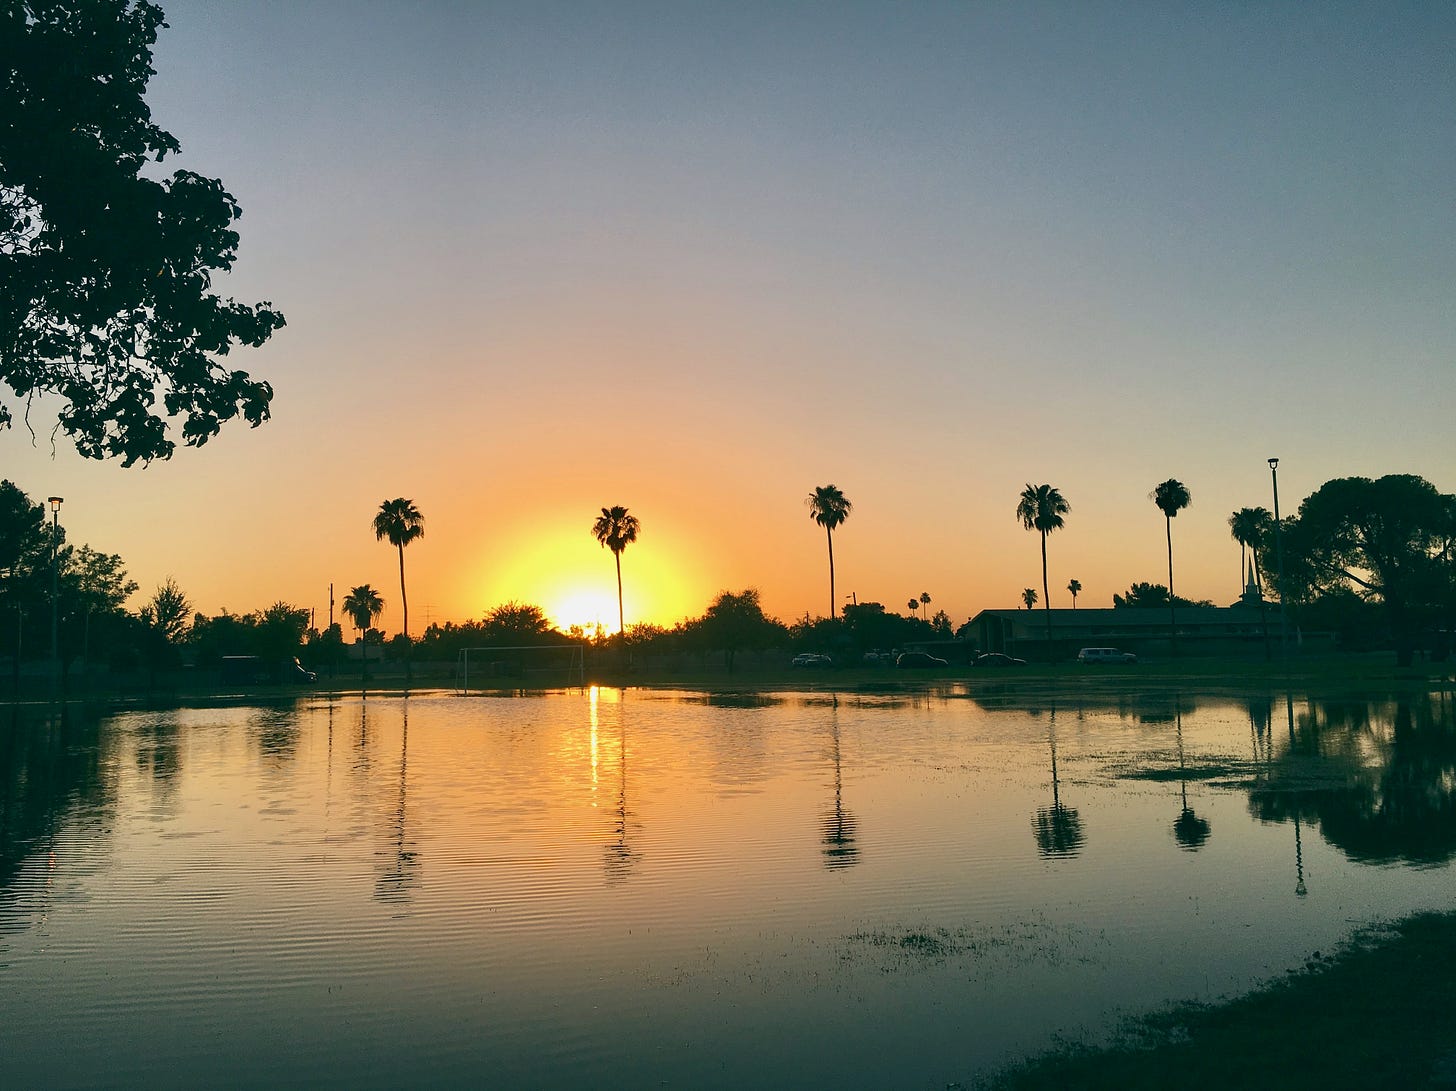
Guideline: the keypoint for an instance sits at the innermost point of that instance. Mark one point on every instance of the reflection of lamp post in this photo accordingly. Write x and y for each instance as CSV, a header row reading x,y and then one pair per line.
x,y
1279,553
55,502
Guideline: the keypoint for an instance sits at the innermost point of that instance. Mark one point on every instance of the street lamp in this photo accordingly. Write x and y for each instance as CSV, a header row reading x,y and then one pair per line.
x,y
55,502
1279,553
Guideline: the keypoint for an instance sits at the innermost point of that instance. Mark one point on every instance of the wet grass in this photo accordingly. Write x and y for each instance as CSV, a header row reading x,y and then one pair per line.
x,y
1381,1012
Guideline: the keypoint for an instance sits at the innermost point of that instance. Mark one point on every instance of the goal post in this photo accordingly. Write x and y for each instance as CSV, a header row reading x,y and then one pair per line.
x,y
522,666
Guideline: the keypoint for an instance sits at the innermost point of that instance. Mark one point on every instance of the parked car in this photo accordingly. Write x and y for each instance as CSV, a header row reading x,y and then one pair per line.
x,y
919,661
997,659
811,659
1105,655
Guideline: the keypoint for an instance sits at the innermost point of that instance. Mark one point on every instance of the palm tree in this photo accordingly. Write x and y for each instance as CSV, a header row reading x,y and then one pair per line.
x,y
363,606
1172,496
1041,509
1247,526
616,530
924,602
913,604
1075,586
401,522
1028,596
829,508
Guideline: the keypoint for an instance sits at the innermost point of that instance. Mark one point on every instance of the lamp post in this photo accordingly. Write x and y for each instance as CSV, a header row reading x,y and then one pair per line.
x,y
1279,554
55,502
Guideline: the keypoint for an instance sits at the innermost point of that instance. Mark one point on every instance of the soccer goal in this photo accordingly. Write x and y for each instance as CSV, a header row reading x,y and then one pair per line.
x,y
525,666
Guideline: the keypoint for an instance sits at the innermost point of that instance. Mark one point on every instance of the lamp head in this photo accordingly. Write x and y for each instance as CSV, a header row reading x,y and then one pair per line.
x,y
55,502
1273,464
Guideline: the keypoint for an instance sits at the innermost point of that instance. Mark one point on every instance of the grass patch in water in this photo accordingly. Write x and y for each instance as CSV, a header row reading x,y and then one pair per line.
x,y
1378,1013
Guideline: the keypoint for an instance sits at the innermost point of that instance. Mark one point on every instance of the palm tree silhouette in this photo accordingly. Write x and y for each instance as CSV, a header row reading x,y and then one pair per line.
x,y
616,530
363,606
1041,509
913,605
829,508
924,602
1028,596
401,522
1075,587
1247,526
1172,496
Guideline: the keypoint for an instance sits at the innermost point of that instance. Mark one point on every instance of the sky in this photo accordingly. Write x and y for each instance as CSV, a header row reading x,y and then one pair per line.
x,y
698,259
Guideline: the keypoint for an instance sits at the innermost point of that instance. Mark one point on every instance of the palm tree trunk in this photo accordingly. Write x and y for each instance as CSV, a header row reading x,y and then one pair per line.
x,y
621,614
1046,596
403,598
1172,609
404,602
832,600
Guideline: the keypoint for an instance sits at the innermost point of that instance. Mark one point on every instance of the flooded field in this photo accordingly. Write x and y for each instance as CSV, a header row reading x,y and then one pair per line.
x,y
622,888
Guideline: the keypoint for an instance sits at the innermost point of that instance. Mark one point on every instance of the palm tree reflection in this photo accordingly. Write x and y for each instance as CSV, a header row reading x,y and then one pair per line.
x,y
838,827
619,857
1058,829
402,864
1189,830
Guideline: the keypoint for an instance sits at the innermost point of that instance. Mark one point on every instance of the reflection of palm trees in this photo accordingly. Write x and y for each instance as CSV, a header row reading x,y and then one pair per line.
x,y
1189,830
838,827
1058,829
401,871
620,857
1300,890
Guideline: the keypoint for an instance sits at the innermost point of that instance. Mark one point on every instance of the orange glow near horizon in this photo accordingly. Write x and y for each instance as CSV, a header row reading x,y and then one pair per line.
x,y
574,580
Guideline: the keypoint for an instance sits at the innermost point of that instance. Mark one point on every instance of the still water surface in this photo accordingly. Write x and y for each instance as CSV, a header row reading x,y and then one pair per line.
x,y
623,888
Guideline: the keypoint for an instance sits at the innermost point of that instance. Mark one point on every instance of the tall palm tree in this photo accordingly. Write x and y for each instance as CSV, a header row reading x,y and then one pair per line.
x,y
401,522
924,602
1028,596
829,508
1172,496
363,606
615,529
1075,587
1041,508
913,604
1247,526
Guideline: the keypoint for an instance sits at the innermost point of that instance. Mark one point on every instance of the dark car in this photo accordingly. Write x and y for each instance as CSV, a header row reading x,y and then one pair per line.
x,y
919,661
996,659
812,660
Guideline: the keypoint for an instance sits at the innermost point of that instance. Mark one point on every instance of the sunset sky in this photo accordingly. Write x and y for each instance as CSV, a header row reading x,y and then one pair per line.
x,y
697,259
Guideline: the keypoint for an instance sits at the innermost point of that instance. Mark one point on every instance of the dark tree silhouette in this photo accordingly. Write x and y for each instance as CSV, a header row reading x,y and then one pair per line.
x,y
108,268
1172,496
924,602
1388,539
1028,596
1075,587
1041,509
363,605
1248,527
615,529
829,507
401,522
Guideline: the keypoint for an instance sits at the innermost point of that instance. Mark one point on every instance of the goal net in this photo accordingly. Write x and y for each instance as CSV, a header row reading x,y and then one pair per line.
x,y
525,666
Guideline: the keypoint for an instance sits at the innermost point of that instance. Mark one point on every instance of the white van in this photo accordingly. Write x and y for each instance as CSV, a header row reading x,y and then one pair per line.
x,y
1105,655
